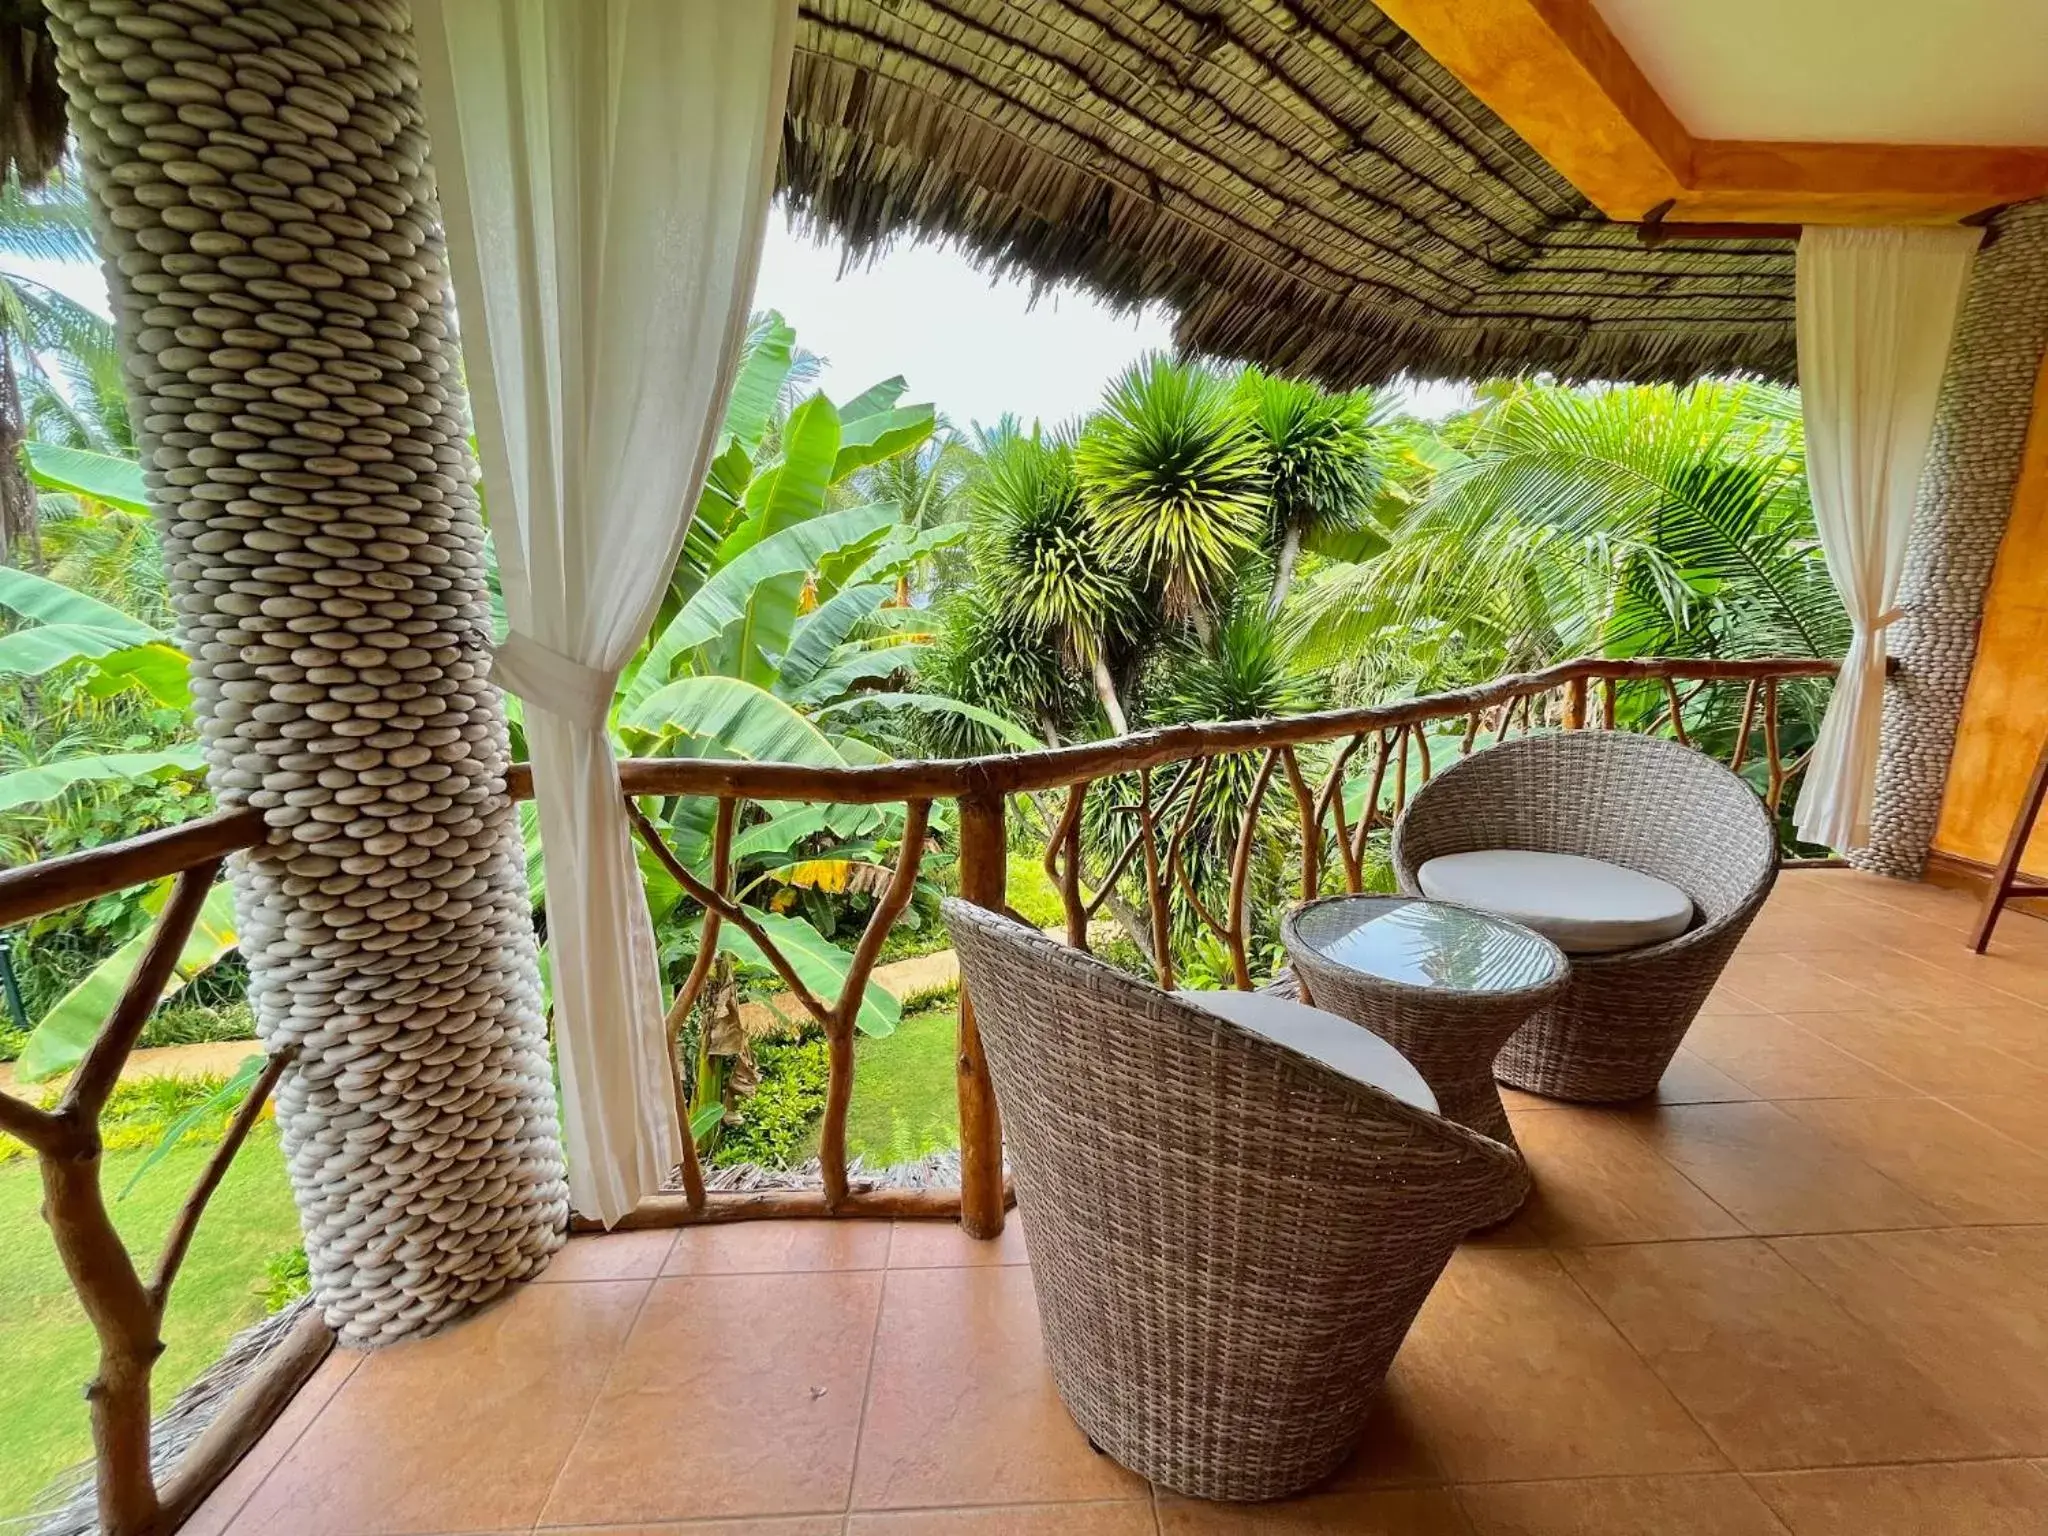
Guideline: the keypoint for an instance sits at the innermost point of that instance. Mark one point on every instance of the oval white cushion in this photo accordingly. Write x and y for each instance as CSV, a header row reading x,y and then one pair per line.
x,y
1583,906
1342,1046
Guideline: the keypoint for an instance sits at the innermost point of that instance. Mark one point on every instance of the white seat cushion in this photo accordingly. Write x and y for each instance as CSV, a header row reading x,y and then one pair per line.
x,y
1583,906
1342,1046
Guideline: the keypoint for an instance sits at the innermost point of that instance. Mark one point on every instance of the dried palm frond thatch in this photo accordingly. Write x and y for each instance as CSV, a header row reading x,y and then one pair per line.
x,y
31,101
1297,178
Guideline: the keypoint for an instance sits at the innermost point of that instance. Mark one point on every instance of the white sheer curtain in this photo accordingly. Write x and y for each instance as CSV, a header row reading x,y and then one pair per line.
x,y
1876,312
605,168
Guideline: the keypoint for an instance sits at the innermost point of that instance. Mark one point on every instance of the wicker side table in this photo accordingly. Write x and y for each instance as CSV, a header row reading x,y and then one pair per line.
x,y
1444,985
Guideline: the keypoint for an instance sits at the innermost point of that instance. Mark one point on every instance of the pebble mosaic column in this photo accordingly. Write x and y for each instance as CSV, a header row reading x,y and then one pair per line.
x,y
272,243
1973,464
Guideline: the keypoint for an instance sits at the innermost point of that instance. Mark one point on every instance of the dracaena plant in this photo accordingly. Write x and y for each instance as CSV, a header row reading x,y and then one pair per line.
x,y
1175,483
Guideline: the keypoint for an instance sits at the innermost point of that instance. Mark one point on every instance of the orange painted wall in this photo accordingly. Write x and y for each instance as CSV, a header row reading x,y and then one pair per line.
x,y
2005,714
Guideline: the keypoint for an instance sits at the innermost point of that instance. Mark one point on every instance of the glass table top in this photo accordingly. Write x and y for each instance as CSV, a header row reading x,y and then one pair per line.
x,y
1426,944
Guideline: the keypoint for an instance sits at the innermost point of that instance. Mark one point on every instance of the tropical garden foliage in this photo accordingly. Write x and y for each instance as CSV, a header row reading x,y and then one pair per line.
x,y
861,581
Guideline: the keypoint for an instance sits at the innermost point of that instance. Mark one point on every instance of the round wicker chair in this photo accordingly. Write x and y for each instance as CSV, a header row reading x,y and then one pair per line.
x,y
1639,801
1229,1239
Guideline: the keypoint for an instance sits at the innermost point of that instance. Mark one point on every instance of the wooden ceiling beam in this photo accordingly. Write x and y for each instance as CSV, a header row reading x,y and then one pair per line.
x,y
1559,77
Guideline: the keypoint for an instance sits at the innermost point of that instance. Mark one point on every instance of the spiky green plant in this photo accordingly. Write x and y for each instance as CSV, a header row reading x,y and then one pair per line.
x,y
1628,522
980,652
1175,483
1326,459
1041,563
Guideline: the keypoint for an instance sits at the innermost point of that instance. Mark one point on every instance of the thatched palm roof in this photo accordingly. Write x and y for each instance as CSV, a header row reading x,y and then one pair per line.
x,y
1307,187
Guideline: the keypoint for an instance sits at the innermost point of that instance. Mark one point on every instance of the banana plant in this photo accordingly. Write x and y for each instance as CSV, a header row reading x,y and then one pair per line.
x,y
54,627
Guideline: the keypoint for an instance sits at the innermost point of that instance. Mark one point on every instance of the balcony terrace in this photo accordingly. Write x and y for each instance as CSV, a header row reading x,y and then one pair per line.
x,y
1801,1292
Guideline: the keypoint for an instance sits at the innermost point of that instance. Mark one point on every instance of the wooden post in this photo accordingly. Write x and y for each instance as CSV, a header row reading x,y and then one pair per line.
x,y
984,868
2006,881
1575,704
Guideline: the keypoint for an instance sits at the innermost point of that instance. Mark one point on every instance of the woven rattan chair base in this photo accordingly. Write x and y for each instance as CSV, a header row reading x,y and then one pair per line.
x,y
1637,801
1229,1240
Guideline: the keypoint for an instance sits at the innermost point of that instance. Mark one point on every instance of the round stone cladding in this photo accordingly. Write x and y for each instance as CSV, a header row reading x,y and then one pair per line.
x,y
1973,464
273,248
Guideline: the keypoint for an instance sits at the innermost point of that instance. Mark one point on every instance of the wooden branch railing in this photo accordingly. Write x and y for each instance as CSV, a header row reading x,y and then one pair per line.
x,y
1347,774
126,1312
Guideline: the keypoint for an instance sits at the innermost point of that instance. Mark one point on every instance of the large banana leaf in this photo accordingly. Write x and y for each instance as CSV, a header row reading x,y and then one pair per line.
x,y
101,476
793,489
819,633
868,440
875,399
936,704
51,602
741,585
746,722
61,1037
859,664
42,647
763,366
46,781
158,669
820,963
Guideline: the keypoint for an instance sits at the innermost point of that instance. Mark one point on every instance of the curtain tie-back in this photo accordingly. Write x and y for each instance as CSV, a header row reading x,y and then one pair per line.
x,y
546,679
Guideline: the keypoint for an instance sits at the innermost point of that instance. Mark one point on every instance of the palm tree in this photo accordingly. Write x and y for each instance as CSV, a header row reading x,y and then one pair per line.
x,y
58,366
1628,521
1326,459
1041,564
928,485
1175,483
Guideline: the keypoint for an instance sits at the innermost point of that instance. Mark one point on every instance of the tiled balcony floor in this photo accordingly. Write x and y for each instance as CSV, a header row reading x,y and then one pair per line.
x,y
1806,1292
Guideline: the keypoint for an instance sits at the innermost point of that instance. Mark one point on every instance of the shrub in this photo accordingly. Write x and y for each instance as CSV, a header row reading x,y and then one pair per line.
x,y
779,1116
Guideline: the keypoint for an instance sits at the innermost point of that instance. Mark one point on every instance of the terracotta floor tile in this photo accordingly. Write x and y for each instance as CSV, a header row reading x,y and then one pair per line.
x,y
1777,1059
735,1395
1691,1079
778,1247
1918,1050
961,1407
1983,1498
1394,1450
1969,1306
1711,1504
773,1525
943,1245
465,1431
1898,980
1597,1181
1513,1373
1966,1171
1781,982
1777,1372
1724,1002
2018,1029
1774,1174
215,1515
2023,1118
612,1256
1123,1518
1387,1512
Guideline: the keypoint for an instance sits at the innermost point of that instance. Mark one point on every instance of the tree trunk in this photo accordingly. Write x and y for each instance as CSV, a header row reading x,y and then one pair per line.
x,y
17,497
1105,690
1283,570
283,317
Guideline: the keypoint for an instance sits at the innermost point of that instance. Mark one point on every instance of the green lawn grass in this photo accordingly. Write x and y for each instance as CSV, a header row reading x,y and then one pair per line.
x,y
1035,898
904,1104
45,1341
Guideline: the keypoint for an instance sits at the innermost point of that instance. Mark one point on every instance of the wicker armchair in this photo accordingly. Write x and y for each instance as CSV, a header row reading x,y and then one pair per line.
x,y
1649,804
1229,1239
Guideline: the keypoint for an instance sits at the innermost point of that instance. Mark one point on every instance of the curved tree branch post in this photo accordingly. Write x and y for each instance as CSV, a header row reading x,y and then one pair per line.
x,y
280,294
984,865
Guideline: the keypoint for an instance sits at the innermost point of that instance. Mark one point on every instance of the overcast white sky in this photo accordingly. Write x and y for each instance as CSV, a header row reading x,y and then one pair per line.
x,y
971,347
